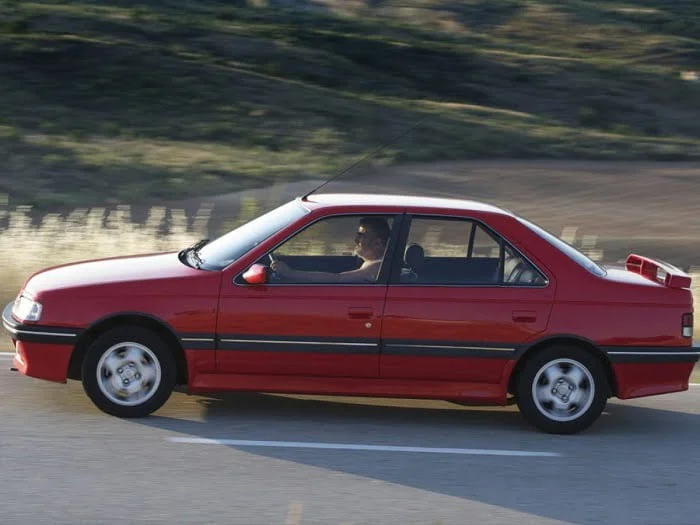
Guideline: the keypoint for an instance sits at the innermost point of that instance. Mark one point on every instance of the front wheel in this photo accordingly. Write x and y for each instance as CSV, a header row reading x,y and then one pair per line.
x,y
562,390
128,372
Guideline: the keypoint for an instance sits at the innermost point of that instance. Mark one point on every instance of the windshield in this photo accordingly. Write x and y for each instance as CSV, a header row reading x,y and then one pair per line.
x,y
229,247
565,247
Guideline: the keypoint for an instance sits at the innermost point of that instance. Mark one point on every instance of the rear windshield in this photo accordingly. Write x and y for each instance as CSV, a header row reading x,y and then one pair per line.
x,y
565,247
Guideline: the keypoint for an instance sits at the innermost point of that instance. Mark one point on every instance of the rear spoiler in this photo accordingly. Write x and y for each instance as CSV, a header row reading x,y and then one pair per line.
x,y
658,271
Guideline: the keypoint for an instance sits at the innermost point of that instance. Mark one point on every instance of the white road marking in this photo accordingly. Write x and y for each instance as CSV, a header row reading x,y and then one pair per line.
x,y
294,514
353,446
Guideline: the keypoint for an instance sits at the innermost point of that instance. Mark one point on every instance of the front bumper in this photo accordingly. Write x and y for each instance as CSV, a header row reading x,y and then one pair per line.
x,y
40,351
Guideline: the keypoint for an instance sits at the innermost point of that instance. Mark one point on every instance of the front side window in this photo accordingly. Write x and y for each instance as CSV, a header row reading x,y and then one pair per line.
x,y
341,249
449,251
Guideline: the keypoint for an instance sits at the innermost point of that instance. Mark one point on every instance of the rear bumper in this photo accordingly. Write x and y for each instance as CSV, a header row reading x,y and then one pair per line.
x,y
643,372
639,380
40,351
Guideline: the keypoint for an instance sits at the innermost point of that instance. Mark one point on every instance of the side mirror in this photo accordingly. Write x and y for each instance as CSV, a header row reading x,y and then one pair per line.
x,y
256,274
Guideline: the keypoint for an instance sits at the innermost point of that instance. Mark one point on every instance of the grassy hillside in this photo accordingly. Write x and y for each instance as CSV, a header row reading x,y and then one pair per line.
x,y
125,101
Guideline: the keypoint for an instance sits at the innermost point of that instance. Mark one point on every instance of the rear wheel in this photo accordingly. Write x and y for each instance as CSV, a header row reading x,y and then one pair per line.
x,y
562,390
128,372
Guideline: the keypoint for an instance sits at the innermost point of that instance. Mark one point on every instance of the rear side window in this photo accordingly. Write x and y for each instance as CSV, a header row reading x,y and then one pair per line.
x,y
484,244
440,237
453,251
564,247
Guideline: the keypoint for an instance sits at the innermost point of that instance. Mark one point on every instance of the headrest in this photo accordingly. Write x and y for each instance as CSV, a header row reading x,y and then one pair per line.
x,y
414,256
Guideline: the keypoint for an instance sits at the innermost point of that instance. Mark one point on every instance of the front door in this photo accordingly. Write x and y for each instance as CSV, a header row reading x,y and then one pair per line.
x,y
312,318
462,303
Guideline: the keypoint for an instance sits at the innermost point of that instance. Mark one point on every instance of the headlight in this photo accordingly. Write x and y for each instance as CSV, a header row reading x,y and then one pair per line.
x,y
26,309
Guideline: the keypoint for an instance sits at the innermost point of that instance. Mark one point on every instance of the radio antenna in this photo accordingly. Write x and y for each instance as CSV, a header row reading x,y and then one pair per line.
x,y
365,157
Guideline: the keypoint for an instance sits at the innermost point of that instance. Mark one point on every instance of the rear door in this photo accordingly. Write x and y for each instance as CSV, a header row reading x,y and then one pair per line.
x,y
459,313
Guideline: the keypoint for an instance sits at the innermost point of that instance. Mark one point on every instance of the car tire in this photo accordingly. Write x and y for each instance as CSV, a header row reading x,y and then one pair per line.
x,y
129,372
562,390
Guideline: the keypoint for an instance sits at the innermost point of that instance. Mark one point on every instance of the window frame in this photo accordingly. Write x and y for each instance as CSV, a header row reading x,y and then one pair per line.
x,y
387,264
395,277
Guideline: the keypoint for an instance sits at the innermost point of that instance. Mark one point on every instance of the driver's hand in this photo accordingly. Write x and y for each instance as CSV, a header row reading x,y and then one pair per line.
x,y
279,267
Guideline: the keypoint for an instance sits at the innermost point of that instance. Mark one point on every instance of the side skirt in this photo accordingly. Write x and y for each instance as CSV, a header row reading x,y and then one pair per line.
x,y
476,393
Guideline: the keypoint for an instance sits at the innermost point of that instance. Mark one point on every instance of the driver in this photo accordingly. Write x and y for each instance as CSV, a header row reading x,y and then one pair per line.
x,y
370,243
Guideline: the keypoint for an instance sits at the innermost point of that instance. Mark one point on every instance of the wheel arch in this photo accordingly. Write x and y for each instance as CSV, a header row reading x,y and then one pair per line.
x,y
528,352
149,322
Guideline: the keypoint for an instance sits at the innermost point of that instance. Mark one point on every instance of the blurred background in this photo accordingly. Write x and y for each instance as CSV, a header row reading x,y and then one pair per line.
x,y
131,127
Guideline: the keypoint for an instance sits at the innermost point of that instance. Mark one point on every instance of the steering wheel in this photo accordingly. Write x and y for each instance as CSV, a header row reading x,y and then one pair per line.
x,y
274,276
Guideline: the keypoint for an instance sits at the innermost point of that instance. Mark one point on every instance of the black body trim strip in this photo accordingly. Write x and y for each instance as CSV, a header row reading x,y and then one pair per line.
x,y
197,341
432,351
337,345
329,345
652,354
435,348
302,347
654,358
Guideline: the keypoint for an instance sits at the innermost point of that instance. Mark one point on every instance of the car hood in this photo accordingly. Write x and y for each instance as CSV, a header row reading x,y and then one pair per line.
x,y
134,269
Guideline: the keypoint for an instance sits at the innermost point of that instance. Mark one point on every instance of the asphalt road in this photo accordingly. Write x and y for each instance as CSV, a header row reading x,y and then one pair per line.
x,y
61,461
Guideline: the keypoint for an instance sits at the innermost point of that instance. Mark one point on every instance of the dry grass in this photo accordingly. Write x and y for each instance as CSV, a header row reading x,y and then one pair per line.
x,y
31,244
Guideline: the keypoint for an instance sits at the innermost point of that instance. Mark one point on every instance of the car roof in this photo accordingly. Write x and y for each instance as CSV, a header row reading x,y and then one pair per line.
x,y
401,201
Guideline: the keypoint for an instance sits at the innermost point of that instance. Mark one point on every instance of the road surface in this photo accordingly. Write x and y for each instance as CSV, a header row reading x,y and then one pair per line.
x,y
256,459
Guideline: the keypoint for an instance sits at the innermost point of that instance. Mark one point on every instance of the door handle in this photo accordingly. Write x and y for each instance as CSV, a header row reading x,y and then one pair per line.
x,y
524,316
360,313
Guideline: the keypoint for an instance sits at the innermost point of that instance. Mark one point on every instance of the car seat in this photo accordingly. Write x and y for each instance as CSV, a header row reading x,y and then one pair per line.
x,y
413,259
519,272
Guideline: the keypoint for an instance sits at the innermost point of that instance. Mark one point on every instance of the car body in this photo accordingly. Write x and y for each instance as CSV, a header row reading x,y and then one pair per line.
x,y
472,304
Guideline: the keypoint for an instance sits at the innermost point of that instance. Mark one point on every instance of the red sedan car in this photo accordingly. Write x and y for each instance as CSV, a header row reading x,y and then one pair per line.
x,y
369,295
